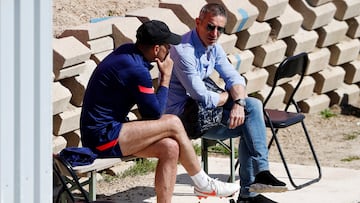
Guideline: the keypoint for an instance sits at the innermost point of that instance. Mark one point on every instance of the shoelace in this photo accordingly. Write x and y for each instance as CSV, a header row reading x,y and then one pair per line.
x,y
213,183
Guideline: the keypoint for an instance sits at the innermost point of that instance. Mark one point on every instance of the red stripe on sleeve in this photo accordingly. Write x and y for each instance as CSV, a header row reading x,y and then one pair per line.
x,y
146,90
107,145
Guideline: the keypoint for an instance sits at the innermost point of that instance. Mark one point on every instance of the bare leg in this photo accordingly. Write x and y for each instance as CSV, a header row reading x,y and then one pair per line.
x,y
136,136
165,139
167,152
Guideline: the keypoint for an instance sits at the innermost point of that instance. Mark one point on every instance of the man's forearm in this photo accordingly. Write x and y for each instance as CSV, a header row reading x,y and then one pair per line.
x,y
238,92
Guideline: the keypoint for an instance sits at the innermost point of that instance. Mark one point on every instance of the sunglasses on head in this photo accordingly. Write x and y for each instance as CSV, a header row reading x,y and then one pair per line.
x,y
211,28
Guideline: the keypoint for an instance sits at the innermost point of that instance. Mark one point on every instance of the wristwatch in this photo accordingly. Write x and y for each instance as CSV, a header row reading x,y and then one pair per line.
x,y
241,102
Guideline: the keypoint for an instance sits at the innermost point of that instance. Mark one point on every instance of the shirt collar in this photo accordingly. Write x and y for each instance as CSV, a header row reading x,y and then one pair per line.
x,y
199,46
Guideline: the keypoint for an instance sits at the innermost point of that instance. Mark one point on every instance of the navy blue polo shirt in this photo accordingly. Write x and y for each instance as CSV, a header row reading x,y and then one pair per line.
x,y
119,82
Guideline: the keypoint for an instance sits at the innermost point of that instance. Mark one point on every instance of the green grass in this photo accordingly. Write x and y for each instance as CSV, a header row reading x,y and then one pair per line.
x,y
351,158
218,149
141,167
197,149
327,113
351,136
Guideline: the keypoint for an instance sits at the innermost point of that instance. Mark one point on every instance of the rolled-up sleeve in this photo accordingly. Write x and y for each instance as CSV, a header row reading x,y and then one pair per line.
x,y
226,70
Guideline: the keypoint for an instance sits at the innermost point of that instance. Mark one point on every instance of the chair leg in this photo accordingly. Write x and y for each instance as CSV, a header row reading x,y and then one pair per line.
x,y
230,148
232,158
92,186
285,164
204,154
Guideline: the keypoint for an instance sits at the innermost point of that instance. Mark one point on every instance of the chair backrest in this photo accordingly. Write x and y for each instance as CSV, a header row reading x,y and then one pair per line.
x,y
288,68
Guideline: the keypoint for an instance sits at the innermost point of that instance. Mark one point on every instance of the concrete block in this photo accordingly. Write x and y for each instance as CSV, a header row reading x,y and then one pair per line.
x,y
58,144
60,98
88,31
318,60
352,72
317,2
346,9
345,51
163,14
302,41
67,121
98,57
187,12
124,30
277,99
78,84
217,79
270,53
314,17
305,90
287,24
255,79
227,42
69,71
337,95
101,44
73,138
331,33
328,79
241,14
68,51
315,104
254,36
354,27
269,9
154,72
241,60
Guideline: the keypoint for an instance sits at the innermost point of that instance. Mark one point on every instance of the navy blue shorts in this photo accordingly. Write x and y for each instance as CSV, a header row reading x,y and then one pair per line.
x,y
105,144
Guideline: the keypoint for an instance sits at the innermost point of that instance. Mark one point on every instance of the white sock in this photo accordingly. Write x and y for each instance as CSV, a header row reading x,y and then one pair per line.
x,y
200,179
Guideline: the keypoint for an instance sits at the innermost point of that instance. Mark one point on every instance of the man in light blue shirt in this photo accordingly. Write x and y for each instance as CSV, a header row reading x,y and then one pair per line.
x,y
195,58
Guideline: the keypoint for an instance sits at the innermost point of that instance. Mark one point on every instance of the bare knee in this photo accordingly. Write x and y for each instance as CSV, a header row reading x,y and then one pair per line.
x,y
173,122
169,149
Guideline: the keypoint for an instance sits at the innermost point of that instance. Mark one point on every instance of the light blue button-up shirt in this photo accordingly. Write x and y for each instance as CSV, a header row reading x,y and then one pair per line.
x,y
192,63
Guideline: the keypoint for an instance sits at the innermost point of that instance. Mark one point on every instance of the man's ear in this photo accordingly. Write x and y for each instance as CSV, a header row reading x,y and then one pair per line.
x,y
197,21
156,49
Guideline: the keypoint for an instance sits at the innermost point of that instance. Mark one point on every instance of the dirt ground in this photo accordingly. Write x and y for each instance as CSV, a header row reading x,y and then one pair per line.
x,y
335,139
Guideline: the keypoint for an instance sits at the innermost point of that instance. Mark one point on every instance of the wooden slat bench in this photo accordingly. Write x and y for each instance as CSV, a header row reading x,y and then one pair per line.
x,y
71,175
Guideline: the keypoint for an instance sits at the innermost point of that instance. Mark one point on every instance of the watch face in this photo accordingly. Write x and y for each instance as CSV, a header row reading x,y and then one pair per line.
x,y
241,102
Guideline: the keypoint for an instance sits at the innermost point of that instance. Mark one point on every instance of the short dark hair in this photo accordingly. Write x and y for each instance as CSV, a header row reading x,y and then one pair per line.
x,y
214,9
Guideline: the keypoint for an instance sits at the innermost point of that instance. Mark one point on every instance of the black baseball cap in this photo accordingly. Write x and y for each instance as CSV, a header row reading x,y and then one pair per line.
x,y
156,32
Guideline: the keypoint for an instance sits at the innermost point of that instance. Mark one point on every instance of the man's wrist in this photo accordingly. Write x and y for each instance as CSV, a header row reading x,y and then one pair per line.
x,y
241,102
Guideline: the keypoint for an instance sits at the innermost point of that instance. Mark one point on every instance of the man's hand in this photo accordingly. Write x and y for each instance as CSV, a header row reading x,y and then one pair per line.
x,y
237,116
165,68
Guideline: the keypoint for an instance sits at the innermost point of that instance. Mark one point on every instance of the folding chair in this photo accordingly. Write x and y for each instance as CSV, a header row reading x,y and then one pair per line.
x,y
206,143
69,183
276,119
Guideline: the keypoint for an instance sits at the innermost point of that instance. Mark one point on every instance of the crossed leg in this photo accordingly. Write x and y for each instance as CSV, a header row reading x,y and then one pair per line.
x,y
166,140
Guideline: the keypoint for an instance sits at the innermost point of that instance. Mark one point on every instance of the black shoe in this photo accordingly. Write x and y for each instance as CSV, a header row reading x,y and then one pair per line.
x,y
266,182
256,199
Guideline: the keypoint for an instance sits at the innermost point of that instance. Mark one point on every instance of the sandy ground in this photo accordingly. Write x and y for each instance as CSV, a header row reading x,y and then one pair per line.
x,y
334,139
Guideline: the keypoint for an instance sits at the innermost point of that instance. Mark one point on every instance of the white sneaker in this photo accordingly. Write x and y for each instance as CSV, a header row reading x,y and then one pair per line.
x,y
217,188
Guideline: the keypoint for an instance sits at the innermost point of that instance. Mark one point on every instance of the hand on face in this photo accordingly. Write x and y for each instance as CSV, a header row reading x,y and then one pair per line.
x,y
163,60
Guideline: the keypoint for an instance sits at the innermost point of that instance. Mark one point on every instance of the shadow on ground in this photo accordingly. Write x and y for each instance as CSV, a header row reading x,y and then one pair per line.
x,y
137,194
